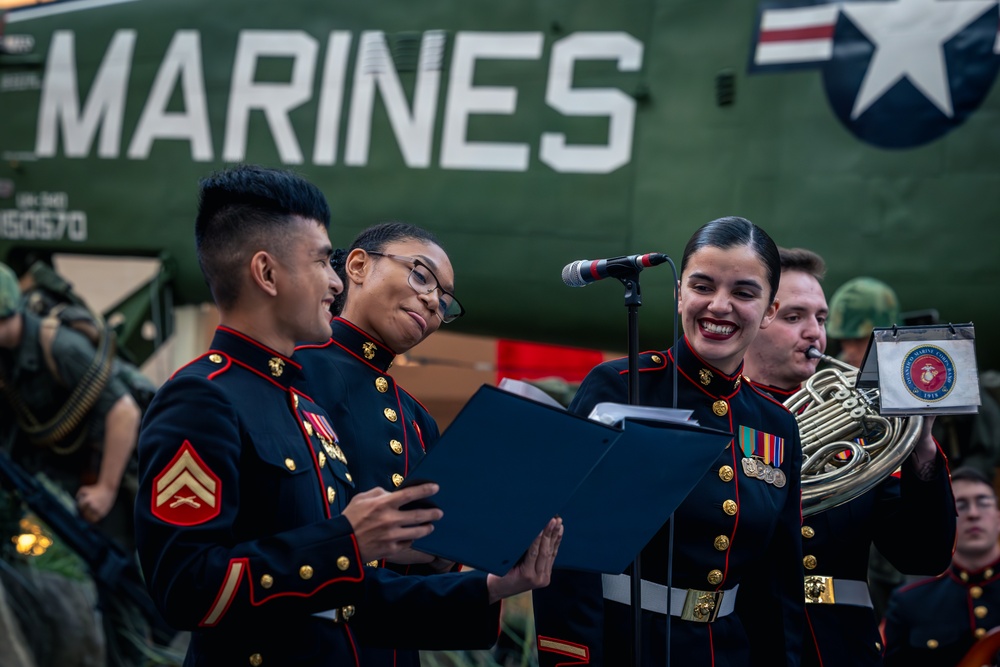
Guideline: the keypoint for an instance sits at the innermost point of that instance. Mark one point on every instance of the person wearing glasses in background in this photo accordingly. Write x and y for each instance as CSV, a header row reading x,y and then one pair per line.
x,y
398,290
935,622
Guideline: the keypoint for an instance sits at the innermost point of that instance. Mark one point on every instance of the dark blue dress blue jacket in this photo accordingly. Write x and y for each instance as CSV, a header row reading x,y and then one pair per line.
x,y
731,530
240,532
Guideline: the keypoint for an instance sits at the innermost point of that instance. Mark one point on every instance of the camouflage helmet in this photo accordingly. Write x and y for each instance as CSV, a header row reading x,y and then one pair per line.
x,y
10,292
858,306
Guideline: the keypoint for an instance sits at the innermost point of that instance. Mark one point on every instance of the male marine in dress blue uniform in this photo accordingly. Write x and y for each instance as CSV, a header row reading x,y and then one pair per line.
x,y
737,559
910,520
935,622
240,532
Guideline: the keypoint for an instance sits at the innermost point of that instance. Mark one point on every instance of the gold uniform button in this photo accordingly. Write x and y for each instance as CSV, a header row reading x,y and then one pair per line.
x,y
656,358
807,531
382,385
295,401
396,446
390,414
715,577
729,507
331,494
964,576
878,647
932,643
720,408
988,573
976,592
343,563
726,473
322,460
266,581
256,660
306,572
721,543
372,563
290,464
348,476
980,611
397,479
980,633
809,562
215,358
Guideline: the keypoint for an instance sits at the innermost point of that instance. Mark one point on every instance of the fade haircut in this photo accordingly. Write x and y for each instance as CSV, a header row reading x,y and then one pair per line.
x,y
734,232
243,210
800,259
375,239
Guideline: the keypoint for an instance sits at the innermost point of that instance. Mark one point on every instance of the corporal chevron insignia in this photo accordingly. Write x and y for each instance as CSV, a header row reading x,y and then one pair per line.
x,y
897,73
187,492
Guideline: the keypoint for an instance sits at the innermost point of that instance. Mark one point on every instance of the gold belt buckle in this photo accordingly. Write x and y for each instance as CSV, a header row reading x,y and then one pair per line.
x,y
819,590
701,606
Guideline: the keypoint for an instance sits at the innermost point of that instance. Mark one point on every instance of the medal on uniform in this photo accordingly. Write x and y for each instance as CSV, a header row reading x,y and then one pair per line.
x,y
327,436
760,451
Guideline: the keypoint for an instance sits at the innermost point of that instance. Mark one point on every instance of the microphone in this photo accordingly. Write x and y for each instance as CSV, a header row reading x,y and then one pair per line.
x,y
585,271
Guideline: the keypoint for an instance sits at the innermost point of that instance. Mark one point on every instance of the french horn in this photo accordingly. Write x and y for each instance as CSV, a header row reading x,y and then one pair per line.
x,y
834,418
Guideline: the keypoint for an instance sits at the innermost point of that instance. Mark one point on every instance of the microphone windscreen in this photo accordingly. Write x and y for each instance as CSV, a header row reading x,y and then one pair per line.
x,y
571,275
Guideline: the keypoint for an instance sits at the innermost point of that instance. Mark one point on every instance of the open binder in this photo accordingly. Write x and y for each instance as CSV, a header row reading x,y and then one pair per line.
x,y
507,464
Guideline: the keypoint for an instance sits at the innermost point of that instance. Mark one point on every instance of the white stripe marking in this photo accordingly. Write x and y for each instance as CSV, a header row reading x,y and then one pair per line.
x,y
60,8
799,17
772,53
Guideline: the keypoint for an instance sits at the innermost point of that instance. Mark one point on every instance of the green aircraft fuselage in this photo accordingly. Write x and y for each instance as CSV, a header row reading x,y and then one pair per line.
x,y
526,135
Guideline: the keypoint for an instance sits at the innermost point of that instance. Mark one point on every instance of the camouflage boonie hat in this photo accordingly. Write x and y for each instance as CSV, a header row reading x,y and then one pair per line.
x,y
860,305
10,292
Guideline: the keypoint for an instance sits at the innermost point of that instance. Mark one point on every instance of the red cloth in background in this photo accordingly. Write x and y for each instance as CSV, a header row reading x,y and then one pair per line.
x,y
533,361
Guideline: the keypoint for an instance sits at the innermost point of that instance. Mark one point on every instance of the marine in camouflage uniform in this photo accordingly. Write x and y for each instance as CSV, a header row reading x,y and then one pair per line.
x,y
84,445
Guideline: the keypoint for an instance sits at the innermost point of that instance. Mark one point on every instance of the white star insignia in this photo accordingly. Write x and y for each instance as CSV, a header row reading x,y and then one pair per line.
x,y
909,36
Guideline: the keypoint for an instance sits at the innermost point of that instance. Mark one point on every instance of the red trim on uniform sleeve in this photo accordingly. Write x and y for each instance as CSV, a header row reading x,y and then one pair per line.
x,y
186,492
227,592
563,647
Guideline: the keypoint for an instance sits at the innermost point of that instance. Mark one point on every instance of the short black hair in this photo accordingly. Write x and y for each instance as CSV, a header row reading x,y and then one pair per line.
x,y
800,259
375,239
245,209
732,232
970,474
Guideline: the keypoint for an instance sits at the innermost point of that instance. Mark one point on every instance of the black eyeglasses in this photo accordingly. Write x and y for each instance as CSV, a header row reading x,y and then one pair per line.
x,y
423,281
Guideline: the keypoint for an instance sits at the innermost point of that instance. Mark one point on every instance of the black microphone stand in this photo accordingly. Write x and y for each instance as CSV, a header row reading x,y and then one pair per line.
x,y
633,299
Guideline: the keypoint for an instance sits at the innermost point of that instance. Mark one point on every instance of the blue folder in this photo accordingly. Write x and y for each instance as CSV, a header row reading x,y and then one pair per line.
x,y
508,464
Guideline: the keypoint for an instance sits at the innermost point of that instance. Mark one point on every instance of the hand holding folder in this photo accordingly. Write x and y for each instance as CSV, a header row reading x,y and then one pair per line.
x,y
507,464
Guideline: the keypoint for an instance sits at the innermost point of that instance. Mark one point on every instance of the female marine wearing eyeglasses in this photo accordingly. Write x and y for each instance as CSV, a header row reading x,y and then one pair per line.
x,y
398,289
